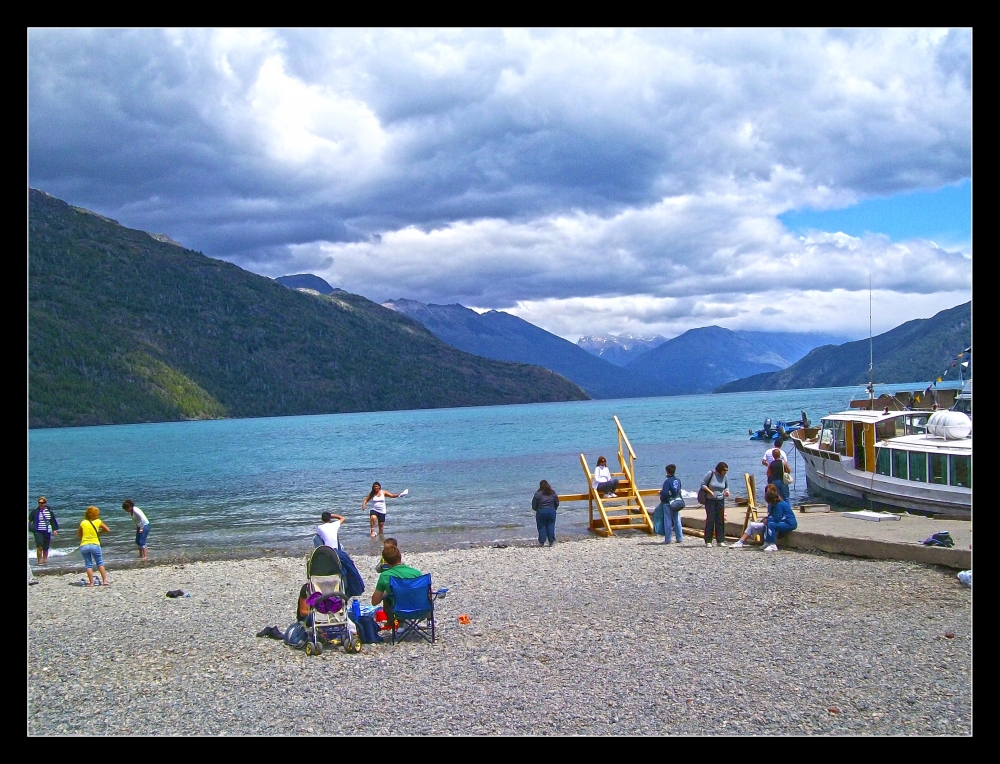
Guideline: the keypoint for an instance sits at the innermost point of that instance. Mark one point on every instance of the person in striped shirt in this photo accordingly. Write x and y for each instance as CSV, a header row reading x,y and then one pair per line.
x,y
43,524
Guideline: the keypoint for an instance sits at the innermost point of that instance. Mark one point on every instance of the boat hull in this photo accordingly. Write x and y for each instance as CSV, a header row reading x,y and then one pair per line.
x,y
829,477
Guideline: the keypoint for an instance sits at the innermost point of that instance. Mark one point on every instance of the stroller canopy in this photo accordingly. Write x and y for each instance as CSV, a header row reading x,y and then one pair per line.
x,y
323,562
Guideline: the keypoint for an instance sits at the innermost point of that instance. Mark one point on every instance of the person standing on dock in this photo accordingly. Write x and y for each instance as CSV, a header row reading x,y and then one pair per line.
x,y
779,473
716,485
769,456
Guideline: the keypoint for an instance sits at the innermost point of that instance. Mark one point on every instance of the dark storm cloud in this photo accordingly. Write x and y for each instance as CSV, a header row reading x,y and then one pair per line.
x,y
505,168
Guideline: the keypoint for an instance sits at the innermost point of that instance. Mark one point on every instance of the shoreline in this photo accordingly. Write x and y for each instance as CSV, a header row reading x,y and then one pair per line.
x,y
571,530
254,553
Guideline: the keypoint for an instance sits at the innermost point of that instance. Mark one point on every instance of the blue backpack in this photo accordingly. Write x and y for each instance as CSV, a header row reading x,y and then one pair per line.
x,y
296,635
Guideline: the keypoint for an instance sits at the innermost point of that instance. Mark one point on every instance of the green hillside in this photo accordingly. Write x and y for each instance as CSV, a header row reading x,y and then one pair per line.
x,y
917,351
124,327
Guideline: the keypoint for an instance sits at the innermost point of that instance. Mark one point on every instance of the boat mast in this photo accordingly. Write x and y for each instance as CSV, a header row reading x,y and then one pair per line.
x,y
871,354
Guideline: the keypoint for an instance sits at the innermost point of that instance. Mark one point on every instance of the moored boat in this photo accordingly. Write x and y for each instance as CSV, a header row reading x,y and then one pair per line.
x,y
894,458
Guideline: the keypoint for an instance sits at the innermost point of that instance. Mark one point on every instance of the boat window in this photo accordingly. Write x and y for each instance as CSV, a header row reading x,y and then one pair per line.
x,y
899,464
826,437
890,428
961,471
938,468
840,437
916,424
882,461
964,405
918,466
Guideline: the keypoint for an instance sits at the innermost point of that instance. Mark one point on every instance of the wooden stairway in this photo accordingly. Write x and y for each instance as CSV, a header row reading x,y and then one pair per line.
x,y
625,511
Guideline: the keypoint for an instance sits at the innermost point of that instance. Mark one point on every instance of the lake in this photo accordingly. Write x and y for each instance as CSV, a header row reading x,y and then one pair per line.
x,y
229,487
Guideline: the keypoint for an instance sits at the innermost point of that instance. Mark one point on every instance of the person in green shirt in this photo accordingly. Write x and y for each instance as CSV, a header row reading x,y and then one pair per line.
x,y
394,568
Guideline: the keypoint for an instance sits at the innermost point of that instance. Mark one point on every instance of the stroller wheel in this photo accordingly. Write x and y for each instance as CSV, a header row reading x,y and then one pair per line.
x,y
310,648
318,649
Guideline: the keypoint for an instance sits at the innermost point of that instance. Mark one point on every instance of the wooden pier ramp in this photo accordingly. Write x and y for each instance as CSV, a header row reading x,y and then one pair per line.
x,y
626,510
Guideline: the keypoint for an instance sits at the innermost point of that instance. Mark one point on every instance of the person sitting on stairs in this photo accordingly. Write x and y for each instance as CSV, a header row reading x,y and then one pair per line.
x,y
605,485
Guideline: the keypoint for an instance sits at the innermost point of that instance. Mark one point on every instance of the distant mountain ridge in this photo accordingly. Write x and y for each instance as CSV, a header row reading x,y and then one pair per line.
x,y
619,349
917,350
779,348
700,360
501,336
124,327
673,367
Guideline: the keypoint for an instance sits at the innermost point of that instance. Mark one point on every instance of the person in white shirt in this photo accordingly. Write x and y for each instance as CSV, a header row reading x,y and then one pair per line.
x,y
377,512
769,456
141,526
328,533
603,482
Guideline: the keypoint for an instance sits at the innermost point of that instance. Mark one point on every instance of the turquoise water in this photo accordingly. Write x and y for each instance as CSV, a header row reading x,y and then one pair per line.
x,y
214,487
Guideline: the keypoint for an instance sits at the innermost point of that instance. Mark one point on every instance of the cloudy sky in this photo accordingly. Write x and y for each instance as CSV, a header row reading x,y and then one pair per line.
x,y
589,181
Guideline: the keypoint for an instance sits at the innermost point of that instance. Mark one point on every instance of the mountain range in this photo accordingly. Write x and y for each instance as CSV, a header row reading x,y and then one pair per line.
x,y
916,351
501,336
126,327
695,362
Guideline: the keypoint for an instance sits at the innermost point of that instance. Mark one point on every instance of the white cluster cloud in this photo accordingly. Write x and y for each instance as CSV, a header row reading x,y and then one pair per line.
x,y
587,180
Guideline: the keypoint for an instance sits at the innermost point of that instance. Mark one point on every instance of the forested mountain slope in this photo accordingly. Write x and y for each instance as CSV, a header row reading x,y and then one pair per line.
x,y
124,327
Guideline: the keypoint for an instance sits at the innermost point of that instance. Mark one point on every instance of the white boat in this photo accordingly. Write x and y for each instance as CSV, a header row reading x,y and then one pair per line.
x,y
892,457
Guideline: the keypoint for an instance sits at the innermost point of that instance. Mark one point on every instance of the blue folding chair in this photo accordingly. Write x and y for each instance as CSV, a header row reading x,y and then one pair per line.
x,y
413,607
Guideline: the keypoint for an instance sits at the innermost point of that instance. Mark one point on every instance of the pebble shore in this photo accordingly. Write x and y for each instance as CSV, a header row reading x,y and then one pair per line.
x,y
617,636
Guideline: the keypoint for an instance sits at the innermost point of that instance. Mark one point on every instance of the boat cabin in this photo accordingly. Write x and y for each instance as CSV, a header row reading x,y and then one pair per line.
x,y
892,443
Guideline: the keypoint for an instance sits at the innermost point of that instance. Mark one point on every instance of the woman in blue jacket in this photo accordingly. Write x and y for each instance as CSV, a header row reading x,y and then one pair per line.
x,y
544,503
780,519
670,497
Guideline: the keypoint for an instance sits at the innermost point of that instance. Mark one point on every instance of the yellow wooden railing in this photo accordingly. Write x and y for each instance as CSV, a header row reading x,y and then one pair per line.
x,y
626,509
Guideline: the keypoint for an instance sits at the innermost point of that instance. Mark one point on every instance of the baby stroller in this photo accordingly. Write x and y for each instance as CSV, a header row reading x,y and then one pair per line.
x,y
328,604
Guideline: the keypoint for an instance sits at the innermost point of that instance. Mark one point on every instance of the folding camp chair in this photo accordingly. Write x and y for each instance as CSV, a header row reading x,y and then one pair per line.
x,y
413,607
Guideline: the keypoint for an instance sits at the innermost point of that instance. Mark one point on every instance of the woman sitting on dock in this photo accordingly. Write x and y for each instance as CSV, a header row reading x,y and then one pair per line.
x,y
780,519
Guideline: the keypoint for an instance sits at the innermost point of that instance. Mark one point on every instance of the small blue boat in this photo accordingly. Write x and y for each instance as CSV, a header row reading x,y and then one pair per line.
x,y
777,432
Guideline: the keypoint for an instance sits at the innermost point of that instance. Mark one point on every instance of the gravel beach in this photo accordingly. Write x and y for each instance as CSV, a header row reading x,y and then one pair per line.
x,y
618,636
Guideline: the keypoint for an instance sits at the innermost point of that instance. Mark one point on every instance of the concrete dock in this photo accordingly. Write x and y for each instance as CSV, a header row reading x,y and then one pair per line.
x,y
838,533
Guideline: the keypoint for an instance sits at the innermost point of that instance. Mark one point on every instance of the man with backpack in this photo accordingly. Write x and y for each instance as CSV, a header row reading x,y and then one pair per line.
x,y
673,503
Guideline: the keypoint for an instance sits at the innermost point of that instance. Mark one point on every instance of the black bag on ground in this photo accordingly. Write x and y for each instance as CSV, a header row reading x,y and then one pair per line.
x,y
367,628
941,538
